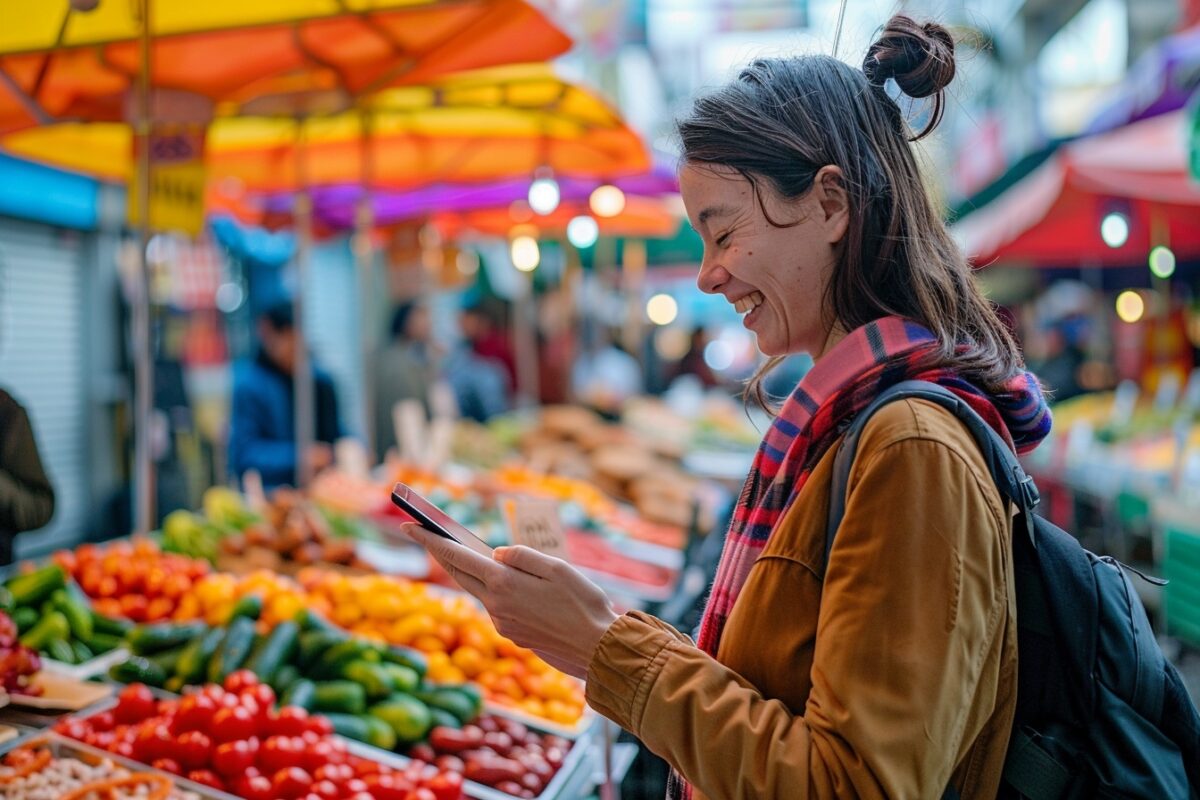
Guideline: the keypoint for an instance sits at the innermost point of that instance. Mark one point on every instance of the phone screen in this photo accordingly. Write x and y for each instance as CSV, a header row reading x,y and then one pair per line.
x,y
434,519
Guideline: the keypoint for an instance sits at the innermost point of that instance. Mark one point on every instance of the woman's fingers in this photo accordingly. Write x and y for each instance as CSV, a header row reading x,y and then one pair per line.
x,y
527,560
464,565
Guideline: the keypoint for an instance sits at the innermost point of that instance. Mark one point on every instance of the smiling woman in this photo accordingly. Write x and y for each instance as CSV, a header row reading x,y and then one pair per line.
x,y
885,667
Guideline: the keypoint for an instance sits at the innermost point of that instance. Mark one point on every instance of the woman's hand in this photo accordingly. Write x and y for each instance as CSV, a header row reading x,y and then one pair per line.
x,y
539,602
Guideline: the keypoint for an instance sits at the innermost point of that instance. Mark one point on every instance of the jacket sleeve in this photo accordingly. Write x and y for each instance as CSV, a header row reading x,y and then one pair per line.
x,y
249,446
26,494
903,628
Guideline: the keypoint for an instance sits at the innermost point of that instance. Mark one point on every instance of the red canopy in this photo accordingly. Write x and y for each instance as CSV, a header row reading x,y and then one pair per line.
x,y
1052,217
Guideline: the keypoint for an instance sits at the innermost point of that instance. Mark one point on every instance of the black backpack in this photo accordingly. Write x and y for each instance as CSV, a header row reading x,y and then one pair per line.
x,y
1100,712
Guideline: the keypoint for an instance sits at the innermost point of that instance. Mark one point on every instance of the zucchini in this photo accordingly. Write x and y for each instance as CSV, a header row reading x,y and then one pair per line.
x,y
169,659
60,650
350,726
25,618
309,620
78,617
444,719
194,660
454,699
137,669
101,643
144,640
407,657
275,651
83,653
32,588
340,696
51,626
314,644
334,660
404,679
110,626
301,693
239,637
76,593
6,599
379,733
249,607
375,680
285,676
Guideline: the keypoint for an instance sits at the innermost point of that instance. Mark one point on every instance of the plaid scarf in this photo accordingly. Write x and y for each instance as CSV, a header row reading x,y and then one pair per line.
x,y
843,383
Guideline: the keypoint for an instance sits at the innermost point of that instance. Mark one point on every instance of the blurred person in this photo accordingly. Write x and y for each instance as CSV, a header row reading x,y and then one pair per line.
x,y
693,362
407,368
604,376
480,385
26,494
262,433
889,669
481,326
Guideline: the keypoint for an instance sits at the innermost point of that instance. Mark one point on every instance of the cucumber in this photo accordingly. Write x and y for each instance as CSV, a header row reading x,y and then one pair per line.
x,y
309,620
78,617
375,680
334,660
50,627
193,662
407,716
174,684
101,643
454,699
25,618
407,657
404,679
60,650
249,607
340,696
350,726
144,640
6,599
32,588
137,669
301,693
76,593
83,653
314,644
275,651
169,659
234,648
111,626
379,733
285,676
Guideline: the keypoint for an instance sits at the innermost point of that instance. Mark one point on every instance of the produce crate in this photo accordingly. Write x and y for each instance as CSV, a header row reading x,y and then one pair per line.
x,y
62,747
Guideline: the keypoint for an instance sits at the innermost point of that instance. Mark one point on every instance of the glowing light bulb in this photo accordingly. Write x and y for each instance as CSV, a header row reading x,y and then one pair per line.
x,y
1130,306
662,309
607,201
583,231
544,195
1162,261
525,253
1114,229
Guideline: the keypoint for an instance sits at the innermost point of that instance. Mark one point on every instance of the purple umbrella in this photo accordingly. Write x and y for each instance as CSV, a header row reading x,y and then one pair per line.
x,y
1162,80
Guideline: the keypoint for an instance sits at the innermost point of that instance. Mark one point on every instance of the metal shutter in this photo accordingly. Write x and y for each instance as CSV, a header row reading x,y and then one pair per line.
x,y
41,363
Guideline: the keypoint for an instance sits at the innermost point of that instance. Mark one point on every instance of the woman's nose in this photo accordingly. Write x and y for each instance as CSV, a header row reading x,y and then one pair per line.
x,y
712,276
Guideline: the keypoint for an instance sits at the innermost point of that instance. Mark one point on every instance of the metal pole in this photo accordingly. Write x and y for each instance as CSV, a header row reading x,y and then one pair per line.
x,y
143,371
364,258
302,379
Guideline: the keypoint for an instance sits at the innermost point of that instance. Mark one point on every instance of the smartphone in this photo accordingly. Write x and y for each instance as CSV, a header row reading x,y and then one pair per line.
x,y
434,519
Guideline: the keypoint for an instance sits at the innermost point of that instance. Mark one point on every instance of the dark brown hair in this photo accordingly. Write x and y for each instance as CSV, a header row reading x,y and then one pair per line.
x,y
782,120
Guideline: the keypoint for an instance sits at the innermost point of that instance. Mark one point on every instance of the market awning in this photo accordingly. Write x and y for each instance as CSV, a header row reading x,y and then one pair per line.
x,y
56,65
1052,216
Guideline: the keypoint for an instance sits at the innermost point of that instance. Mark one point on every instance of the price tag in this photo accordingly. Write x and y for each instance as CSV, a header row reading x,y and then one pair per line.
x,y
442,402
408,417
441,441
1168,392
252,487
351,457
1124,403
535,523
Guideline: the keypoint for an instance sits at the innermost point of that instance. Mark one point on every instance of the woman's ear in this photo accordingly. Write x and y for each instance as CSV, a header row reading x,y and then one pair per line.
x,y
829,190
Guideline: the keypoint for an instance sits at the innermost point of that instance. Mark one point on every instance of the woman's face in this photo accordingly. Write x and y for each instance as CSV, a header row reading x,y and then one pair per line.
x,y
774,276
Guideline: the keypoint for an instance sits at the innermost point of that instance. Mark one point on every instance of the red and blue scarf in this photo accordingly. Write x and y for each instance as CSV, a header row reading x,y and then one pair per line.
x,y
844,382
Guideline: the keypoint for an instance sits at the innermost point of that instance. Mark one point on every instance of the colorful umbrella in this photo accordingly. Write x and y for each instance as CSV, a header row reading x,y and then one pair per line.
x,y
58,65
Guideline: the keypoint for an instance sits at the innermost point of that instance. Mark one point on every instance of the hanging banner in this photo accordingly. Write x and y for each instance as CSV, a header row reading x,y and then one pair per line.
x,y
176,179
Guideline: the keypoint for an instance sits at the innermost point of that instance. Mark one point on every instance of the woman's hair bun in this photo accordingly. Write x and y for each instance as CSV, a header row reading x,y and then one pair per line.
x,y
920,58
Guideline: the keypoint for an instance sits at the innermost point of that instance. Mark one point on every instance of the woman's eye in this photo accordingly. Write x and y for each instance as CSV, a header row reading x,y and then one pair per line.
x,y
722,240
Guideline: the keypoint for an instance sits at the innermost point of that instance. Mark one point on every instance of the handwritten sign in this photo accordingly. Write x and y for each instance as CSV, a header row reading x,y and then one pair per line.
x,y
535,523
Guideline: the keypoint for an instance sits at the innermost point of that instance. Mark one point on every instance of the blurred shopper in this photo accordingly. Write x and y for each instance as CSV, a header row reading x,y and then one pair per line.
x,y
890,670
604,375
407,368
26,494
262,434
480,384
693,362
482,328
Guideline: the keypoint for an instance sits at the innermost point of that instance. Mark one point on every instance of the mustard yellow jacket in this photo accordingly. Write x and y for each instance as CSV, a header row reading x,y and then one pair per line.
x,y
891,678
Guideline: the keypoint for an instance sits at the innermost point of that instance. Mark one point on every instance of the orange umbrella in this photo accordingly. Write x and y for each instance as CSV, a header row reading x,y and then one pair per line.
x,y
58,65
643,218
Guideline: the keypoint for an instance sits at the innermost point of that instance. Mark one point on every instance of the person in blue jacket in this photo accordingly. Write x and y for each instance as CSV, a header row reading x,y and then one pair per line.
x,y
261,430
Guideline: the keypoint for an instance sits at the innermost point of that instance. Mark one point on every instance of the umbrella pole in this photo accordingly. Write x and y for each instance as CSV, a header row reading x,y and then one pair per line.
x,y
143,372
302,379
364,258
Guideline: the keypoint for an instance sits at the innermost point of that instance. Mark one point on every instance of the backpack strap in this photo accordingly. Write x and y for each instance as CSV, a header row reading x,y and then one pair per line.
x,y
1007,473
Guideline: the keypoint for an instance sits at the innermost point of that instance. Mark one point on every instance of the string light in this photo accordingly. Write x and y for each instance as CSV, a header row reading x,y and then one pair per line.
x,y
1130,306
662,309
607,201
1114,229
583,231
1162,261
525,253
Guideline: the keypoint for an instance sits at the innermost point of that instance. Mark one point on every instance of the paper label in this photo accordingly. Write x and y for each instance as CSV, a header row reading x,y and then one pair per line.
x,y
351,457
442,402
535,523
441,441
409,419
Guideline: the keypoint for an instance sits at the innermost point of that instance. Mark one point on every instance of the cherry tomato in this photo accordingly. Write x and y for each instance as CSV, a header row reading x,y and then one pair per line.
x,y
124,749
230,724
194,749
240,680
254,787
288,721
263,694
421,794
153,741
102,722
447,786
167,765
423,752
355,786
196,712
279,752
319,725
336,773
291,782
135,703
388,787
317,756
449,763
234,758
206,777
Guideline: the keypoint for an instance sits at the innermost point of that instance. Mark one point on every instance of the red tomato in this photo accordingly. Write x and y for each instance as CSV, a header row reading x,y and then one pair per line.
x,y
72,728
420,794
135,703
327,790
316,756
194,749
279,752
319,725
133,606
230,724
355,786
102,722
159,608
234,758
388,787
264,695
335,773
254,787
291,782
206,777
195,713
289,721
240,680
167,765
124,749
153,741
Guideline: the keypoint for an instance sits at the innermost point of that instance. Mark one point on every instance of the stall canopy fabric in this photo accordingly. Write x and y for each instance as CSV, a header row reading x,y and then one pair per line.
x,y
58,65
484,125
1052,216
1160,82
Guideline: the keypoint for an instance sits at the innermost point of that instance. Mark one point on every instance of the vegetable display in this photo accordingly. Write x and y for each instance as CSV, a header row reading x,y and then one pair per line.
x,y
34,773
232,738
18,663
